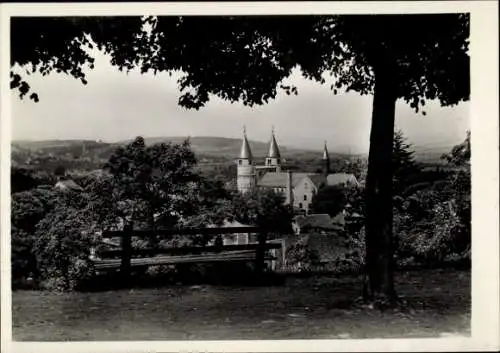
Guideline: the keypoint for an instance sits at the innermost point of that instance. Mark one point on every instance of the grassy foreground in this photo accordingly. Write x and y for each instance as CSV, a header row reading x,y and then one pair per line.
x,y
321,308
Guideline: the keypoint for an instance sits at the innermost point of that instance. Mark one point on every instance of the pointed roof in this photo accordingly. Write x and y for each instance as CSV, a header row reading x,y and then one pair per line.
x,y
325,152
245,152
274,151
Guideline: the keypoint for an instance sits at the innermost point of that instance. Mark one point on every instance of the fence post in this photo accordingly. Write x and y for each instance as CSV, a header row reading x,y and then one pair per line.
x,y
260,253
126,244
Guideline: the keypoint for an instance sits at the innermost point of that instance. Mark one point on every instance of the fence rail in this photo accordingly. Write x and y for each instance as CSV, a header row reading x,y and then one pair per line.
x,y
173,260
129,257
188,231
184,250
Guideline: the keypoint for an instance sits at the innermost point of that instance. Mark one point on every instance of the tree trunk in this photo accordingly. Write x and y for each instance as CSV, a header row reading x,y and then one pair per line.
x,y
379,218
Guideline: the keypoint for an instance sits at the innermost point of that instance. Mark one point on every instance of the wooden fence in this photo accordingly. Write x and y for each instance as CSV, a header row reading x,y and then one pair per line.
x,y
127,257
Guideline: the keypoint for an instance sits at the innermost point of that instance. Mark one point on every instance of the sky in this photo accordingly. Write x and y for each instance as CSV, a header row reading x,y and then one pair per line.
x,y
117,106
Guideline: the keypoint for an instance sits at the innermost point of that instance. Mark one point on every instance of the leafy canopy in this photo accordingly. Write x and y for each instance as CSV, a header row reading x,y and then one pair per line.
x,y
247,58
148,184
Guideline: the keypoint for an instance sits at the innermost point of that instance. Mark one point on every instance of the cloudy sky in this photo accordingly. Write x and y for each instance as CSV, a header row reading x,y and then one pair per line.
x,y
116,106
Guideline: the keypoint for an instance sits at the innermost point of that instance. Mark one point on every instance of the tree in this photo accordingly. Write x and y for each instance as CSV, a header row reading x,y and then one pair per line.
x,y
210,204
329,199
461,187
22,179
62,246
460,154
148,185
434,222
60,171
403,163
265,209
57,44
28,208
247,58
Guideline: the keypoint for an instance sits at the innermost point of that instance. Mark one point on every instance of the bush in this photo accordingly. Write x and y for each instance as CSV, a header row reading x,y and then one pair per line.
x,y
439,235
354,258
62,248
28,208
299,257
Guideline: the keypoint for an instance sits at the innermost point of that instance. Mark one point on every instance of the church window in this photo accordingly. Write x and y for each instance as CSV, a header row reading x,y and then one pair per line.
x,y
300,204
305,197
239,162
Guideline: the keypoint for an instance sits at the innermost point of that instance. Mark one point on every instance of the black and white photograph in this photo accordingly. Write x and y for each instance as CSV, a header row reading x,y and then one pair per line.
x,y
237,176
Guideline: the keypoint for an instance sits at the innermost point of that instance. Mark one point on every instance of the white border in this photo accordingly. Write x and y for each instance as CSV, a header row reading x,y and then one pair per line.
x,y
485,180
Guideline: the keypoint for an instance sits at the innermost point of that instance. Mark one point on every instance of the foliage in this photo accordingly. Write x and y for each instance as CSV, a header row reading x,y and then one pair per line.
x,y
257,52
62,247
263,208
460,154
358,167
330,200
60,171
403,164
28,208
57,44
433,237
225,171
23,179
300,257
247,58
434,224
149,184
210,204
354,258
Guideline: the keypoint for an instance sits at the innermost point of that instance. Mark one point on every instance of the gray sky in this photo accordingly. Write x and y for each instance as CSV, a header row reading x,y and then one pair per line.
x,y
116,106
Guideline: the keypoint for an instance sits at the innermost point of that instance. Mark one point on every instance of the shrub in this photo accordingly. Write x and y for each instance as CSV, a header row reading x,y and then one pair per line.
x,y
438,237
300,257
62,248
354,258
28,208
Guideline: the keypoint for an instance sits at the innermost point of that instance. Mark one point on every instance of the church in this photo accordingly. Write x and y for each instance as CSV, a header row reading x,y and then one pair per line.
x,y
298,188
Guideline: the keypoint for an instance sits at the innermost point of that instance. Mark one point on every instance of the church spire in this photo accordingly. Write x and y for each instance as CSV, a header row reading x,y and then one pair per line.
x,y
326,161
274,151
325,153
245,152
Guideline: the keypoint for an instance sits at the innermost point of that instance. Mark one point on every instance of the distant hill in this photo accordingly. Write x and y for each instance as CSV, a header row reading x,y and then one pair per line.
x,y
222,147
431,154
215,146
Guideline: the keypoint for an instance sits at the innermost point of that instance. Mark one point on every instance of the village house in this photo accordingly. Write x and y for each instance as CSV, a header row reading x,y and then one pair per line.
x,y
319,223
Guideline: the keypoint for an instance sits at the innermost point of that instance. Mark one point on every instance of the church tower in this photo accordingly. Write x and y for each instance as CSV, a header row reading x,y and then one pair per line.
x,y
325,161
245,169
273,158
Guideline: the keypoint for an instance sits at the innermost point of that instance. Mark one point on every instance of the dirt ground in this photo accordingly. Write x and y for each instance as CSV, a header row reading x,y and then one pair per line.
x,y
320,308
